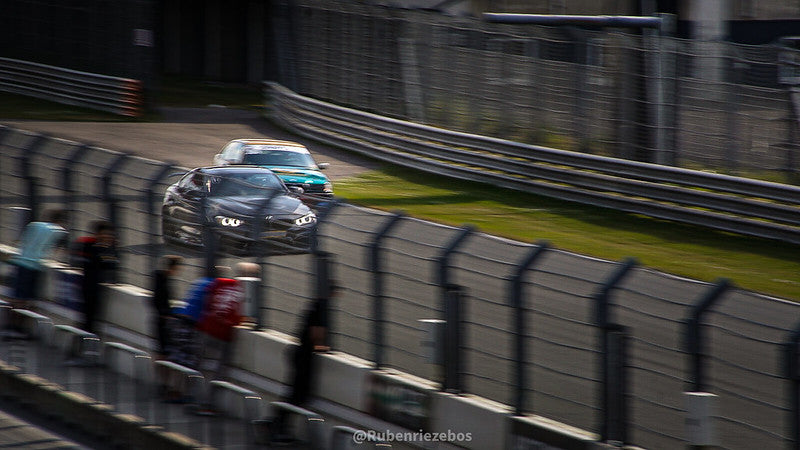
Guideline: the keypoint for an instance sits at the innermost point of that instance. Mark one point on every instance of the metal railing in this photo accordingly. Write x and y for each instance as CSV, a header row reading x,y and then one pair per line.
x,y
116,95
739,205
605,346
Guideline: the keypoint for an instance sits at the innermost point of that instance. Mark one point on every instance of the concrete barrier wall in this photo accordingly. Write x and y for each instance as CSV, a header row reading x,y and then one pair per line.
x,y
396,398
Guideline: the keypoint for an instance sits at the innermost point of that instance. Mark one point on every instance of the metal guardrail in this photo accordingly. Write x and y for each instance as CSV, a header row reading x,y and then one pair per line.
x,y
122,96
739,205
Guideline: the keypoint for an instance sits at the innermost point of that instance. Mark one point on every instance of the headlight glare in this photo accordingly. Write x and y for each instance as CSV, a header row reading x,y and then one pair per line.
x,y
328,187
225,221
305,220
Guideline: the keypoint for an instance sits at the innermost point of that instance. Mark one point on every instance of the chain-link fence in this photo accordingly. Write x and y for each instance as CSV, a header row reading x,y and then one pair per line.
x,y
600,345
707,105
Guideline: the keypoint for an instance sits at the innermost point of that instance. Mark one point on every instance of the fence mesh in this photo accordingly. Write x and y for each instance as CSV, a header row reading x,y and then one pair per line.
x,y
745,332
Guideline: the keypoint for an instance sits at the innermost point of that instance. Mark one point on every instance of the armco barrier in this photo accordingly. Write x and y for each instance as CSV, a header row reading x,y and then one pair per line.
x,y
739,205
122,96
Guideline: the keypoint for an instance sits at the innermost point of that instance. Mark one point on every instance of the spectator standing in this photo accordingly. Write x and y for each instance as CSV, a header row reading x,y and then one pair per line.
x,y
221,314
313,338
97,255
184,338
162,294
38,241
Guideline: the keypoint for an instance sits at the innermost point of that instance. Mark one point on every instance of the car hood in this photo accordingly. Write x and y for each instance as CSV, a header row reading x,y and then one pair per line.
x,y
249,206
299,175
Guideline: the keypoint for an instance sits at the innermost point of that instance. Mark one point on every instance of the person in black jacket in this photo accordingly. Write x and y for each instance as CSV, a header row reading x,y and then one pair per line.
x,y
97,256
313,338
162,293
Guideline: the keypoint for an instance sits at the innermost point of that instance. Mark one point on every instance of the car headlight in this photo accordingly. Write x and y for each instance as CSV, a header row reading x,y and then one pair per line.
x,y
228,221
305,220
327,187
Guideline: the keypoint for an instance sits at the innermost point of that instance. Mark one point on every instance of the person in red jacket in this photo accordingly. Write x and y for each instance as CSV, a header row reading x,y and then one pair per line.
x,y
222,312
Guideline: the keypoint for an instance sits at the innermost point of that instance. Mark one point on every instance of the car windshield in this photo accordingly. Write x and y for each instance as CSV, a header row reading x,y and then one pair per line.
x,y
245,184
279,158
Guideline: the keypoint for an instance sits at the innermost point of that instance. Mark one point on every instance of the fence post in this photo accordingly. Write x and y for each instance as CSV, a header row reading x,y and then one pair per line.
x,y
453,336
616,391
377,286
323,268
67,182
516,300
209,238
4,131
444,257
151,206
606,328
25,169
733,103
791,370
258,298
322,216
694,333
109,199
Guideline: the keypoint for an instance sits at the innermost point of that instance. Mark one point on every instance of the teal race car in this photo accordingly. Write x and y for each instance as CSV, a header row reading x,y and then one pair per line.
x,y
291,161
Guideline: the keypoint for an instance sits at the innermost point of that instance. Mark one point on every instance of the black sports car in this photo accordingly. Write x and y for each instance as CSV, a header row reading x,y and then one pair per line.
x,y
242,205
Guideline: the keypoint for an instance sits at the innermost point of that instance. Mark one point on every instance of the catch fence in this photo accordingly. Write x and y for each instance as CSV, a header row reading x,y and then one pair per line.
x,y
600,345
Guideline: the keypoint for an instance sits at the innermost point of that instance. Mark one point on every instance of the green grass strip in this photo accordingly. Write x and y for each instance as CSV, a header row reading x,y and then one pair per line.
x,y
763,265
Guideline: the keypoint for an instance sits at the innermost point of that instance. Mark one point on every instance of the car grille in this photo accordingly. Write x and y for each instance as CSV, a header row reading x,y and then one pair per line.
x,y
275,224
309,188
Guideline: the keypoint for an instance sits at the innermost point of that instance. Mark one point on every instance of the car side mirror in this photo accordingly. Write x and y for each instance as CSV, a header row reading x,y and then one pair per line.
x,y
296,190
323,166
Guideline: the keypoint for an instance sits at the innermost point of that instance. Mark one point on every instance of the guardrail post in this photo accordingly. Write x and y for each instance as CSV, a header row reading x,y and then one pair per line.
x,y
516,301
67,182
108,197
151,206
791,370
453,336
377,286
693,333
606,328
27,174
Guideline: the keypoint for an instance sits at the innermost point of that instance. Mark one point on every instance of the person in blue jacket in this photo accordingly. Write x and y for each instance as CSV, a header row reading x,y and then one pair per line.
x,y
184,337
38,241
